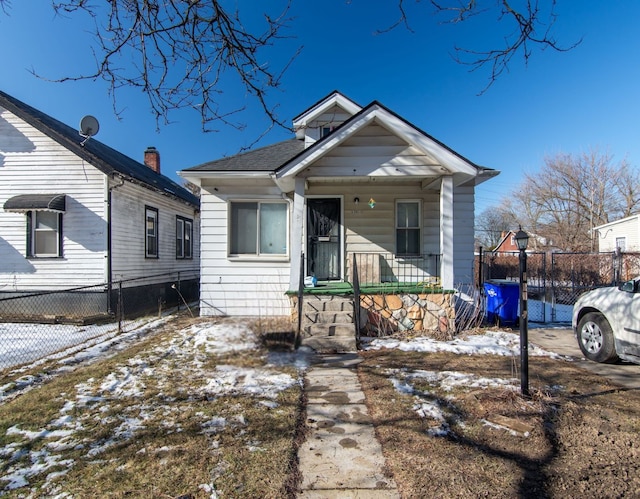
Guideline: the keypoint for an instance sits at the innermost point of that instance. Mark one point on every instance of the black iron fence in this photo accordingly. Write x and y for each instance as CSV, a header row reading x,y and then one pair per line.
x,y
379,268
34,325
556,280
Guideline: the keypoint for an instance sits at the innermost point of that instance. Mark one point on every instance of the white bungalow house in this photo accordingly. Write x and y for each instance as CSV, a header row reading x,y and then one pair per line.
x,y
619,235
85,229
356,185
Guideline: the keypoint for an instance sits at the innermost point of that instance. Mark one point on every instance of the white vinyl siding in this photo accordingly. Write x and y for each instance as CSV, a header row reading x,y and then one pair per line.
x,y
33,163
128,229
237,287
463,236
610,234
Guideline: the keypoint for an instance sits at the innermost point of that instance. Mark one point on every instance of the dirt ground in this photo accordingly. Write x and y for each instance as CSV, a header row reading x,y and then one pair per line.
x,y
577,436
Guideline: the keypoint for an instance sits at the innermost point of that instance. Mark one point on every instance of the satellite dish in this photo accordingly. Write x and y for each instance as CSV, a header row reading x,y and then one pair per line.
x,y
89,126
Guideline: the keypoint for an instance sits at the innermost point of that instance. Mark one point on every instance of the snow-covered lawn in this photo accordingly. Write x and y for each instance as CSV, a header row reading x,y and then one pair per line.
x,y
426,404
23,342
119,396
41,452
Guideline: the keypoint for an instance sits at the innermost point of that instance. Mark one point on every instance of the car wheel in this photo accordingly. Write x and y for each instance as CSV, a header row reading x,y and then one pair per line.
x,y
595,338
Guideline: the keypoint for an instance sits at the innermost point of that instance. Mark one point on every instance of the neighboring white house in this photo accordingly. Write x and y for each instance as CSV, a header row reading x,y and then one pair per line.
x,y
354,180
77,213
623,234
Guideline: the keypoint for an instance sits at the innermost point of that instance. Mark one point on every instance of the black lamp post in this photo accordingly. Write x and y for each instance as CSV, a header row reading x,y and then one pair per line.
x,y
522,240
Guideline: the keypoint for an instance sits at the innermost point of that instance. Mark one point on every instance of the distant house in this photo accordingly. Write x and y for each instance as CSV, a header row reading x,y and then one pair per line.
x,y
356,185
78,214
621,235
507,243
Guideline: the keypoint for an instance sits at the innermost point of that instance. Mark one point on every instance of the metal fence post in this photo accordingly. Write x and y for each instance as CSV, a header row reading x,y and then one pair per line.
x,y
120,307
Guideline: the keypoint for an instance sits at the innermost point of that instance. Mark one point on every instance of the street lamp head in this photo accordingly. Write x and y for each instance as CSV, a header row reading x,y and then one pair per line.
x,y
522,239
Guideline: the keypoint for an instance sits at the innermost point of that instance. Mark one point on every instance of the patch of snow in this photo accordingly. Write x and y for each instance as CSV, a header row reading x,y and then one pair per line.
x,y
490,343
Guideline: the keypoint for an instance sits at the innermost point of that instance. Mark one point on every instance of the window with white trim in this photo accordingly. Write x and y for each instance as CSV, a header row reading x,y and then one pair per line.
x,y
258,228
151,232
621,242
44,234
408,231
184,236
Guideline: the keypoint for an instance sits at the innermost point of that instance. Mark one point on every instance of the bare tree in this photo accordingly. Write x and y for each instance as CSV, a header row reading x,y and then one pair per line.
x,y
181,53
491,224
572,194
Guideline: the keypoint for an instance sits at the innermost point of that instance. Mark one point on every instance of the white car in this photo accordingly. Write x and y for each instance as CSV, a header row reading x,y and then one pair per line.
x,y
607,323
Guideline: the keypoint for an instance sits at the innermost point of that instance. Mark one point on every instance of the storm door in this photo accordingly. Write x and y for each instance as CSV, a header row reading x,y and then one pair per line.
x,y
323,238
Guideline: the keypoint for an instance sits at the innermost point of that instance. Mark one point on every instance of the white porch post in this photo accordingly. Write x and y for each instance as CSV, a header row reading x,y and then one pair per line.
x,y
297,224
446,232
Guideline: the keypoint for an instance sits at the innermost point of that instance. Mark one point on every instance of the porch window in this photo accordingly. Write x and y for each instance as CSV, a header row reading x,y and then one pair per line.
x,y
408,233
151,240
44,234
258,228
184,233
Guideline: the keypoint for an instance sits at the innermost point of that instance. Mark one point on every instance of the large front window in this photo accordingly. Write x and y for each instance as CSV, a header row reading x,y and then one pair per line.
x,y
45,234
258,228
408,239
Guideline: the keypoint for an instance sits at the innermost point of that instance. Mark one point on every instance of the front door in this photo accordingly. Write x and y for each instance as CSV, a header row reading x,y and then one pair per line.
x,y
323,238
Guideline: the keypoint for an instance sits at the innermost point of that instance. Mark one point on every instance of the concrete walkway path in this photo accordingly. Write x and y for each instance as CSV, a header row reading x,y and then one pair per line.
x,y
341,457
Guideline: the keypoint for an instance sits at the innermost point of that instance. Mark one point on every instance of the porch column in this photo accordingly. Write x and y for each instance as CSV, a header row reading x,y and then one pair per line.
x,y
297,224
446,232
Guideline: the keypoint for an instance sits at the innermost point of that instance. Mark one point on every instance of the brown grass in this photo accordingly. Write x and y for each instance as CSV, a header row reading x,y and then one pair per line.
x,y
567,441
178,448
578,435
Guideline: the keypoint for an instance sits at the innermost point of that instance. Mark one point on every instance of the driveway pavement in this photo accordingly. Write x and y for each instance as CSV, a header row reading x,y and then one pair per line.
x,y
563,342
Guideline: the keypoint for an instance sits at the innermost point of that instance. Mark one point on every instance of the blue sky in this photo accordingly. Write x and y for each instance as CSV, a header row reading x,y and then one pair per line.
x,y
567,102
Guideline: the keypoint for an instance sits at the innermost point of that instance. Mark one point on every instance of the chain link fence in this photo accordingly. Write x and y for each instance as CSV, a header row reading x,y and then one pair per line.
x,y
556,280
42,324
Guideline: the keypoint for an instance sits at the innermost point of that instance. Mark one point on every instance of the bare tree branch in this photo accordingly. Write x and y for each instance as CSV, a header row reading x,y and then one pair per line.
x,y
179,52
529,26
183,53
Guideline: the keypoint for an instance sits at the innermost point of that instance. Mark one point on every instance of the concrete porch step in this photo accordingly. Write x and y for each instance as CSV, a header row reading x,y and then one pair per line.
x,y
331,344
313,303
329,317
330,329
328,323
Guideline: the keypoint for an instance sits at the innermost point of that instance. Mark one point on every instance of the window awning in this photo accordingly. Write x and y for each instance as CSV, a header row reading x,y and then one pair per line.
x,y
30,202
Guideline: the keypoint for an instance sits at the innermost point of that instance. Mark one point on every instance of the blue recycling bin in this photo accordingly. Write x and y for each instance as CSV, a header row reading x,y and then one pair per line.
x,y
502,301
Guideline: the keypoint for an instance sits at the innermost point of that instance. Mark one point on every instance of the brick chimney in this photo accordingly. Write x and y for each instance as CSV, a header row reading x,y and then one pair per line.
x,y
152,158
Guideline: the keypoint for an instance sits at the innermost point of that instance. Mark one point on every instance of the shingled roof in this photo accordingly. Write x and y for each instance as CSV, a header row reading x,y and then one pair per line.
x,y
104,158
268,158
